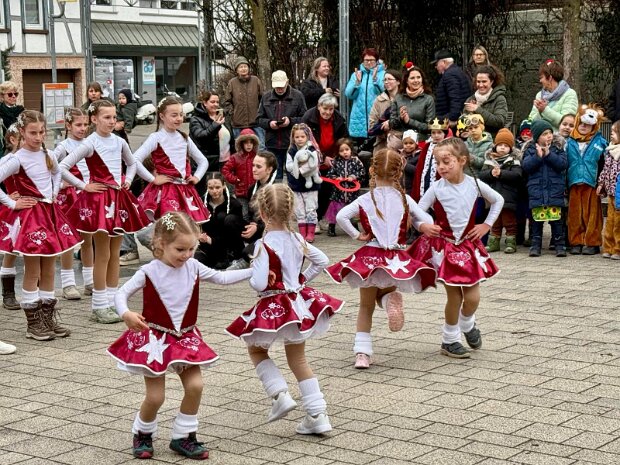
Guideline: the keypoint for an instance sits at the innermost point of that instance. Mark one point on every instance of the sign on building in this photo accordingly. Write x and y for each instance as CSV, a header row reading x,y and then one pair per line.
x,y
56,98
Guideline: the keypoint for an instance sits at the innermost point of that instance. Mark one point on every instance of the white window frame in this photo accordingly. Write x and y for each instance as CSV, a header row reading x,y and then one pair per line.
x,y
4,14
41,25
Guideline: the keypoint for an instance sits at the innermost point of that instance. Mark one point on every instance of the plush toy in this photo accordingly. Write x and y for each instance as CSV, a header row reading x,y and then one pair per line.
x,y
306,163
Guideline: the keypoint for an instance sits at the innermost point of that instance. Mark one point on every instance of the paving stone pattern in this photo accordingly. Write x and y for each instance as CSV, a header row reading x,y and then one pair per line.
x,y
544,388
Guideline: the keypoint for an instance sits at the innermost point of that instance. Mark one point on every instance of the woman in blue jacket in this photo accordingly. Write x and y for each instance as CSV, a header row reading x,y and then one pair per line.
x,y
365,84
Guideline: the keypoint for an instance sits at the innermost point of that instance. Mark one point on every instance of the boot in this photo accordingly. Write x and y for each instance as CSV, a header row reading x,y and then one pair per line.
x,y
493,244
50,312
37,327
303,229
8,293
511,244
310,232
331,230
536,248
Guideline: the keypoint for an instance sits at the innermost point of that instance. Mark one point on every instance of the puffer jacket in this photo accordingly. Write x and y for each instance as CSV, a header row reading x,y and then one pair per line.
x,y
238,171
453,89
494,110
477,151
421,112
583,168
205,134
363,96
273,108
546,176
509,182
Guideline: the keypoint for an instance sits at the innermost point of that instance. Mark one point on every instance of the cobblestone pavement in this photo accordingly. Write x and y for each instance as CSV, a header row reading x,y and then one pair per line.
x,y
544,389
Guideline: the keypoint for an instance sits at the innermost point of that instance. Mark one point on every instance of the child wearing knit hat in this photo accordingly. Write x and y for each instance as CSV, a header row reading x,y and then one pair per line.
x,y
502,171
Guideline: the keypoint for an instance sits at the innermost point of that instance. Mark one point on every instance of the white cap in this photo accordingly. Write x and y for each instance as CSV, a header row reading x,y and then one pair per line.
x,y
411,134
279,79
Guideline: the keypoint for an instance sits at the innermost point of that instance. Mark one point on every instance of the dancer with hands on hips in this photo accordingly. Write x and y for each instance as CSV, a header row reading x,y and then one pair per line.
x,y
452,244
287,310
164,338
381,268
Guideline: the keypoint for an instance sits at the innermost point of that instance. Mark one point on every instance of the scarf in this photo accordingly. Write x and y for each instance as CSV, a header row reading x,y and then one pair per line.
x,y
556,94
482,99
614,151
415,93
580,137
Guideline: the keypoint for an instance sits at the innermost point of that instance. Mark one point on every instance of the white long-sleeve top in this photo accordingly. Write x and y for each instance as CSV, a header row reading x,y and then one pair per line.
x,y
174,285
458,201
289,249
46,180
176,147
65,148
109,148
386,231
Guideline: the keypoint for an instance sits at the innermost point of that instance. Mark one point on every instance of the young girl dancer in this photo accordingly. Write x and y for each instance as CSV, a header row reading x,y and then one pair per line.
x,y
105,208
34,226
76,123
172,189
452,245
346,165
164,338
288,310
381,268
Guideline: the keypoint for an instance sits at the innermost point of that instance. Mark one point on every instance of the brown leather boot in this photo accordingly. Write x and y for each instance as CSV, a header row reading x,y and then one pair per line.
x,y
50,313
8,293
37,325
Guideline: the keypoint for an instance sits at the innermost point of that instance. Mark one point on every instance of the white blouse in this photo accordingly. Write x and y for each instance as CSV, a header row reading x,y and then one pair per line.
x,y
65,148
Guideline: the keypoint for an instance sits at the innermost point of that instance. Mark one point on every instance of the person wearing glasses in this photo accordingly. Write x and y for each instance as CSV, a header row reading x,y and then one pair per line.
x,y
364,85
479,57
9,109
379,120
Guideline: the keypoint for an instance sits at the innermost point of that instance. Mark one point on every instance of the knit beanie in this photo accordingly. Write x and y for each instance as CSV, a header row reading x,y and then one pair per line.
x,y
240,61
504,136
538,127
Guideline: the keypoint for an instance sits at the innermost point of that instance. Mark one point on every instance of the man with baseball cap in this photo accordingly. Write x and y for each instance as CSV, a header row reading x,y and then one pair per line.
x,y
453,88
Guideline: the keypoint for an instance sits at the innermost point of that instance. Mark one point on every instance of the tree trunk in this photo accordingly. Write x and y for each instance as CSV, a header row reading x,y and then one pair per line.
x,y
571,16
262,44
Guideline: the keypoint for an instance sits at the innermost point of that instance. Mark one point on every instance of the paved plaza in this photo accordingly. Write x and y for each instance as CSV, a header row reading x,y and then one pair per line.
x,y
544,388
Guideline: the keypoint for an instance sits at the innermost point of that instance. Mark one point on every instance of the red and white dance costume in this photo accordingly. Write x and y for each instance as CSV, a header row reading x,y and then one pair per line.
x,y
42,230
67,196
383,261
288,311
115,211
170,152
459,261
170,308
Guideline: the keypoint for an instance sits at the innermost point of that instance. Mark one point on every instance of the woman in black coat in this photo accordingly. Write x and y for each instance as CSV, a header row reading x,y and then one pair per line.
x,y
319,82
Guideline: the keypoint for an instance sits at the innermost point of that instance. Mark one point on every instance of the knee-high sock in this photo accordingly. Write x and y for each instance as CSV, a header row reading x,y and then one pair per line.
x,y
451,333
67,278
29,297
363,344
143,426
466,323
270,376
183,425
87,274
312,398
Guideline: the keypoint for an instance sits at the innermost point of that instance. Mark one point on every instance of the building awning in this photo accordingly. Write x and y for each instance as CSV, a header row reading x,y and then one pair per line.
x,y
115,36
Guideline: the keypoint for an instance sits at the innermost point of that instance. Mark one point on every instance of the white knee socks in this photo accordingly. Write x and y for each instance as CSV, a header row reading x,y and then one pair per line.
x,y
140,426
270,376
111,292
87,274
100,299
451,333
312,398
183,425
363,344
466,323
46,295
67,278
8,271
29,297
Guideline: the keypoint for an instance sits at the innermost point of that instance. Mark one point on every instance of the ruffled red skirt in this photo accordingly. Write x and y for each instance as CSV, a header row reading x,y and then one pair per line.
x,y
66,198
159,200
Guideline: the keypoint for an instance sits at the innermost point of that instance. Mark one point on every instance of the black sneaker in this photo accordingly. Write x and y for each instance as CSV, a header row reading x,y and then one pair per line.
x,y
455,350
190,447
560,251
590,250
535,251
143,445
575,250
473,338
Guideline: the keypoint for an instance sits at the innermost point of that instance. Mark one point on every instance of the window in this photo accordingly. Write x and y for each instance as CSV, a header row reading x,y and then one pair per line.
x,y
33,14
103,2
169,4
2,16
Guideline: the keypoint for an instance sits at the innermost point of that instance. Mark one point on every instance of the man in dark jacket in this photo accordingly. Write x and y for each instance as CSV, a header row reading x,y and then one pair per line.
x,y
280,109
453,89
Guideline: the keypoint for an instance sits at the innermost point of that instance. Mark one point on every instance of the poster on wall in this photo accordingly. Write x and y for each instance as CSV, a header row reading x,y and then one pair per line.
x,y
148,70
56,98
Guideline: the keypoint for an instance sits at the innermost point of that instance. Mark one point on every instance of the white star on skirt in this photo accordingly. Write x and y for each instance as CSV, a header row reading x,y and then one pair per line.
x,y
109,211
13,230
481,260
395,264
190,203
437,258
155,348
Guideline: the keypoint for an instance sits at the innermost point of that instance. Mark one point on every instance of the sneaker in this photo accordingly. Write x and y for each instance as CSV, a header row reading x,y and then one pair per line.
x,y
454,350
314,425
318,230
560,251
71,293
281,405
575,250
615,257
362,361
535,251
6,349
590,250
143,445
105,316
88,289
190,447
130,258
393,305
606,255
239,264
473,338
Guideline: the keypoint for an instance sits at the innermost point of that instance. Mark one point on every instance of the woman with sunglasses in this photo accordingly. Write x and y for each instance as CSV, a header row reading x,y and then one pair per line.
x,y
9,109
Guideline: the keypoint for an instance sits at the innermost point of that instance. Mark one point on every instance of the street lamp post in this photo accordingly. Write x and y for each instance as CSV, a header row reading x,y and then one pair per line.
x,y
343,52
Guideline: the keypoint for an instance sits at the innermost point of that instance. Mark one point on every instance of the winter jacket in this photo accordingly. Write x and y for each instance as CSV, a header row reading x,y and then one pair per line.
x,y
546,176
342,168
205,134
363,96
611,169
411,161
494,110
129,112
312,119
215,226
274,108
453,89
421,112
583,168
553,112
509,182
379,113
312,90
613,109
238,171
477,151
242,99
